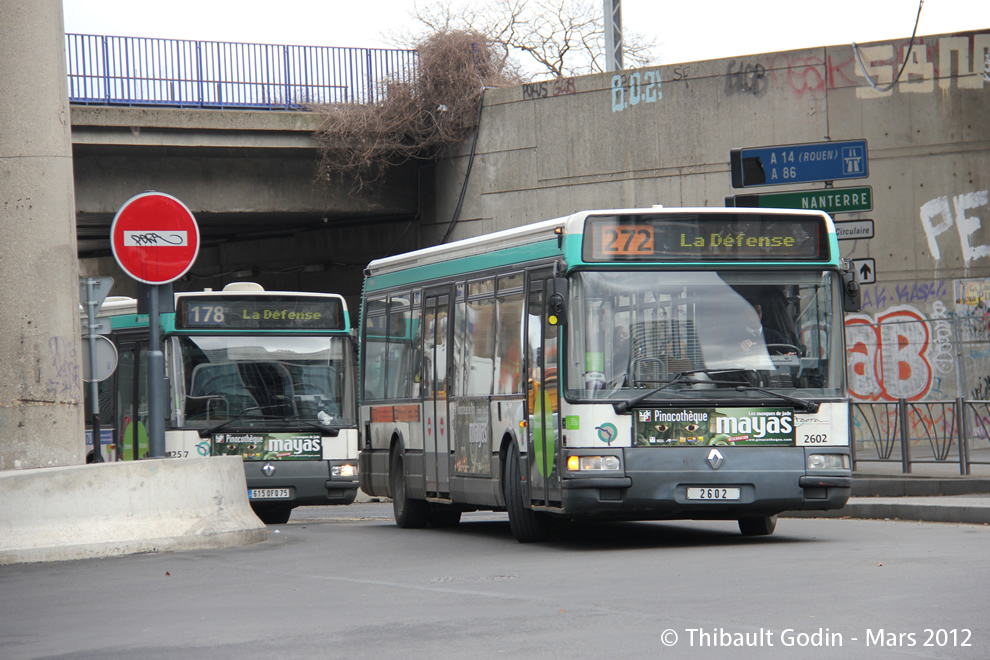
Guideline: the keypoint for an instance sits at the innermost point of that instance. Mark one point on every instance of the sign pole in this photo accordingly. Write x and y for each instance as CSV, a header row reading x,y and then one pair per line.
x,y
92,292
92,303
156,380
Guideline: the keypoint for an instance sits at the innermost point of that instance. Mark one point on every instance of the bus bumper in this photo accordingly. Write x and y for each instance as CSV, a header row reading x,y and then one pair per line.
x,y
307,482
655,484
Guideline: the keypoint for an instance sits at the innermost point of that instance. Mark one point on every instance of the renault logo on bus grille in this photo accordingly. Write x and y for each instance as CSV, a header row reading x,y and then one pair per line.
x,y
269,469
715,459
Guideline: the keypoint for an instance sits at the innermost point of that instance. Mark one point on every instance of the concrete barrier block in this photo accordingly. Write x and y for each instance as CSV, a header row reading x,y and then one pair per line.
x,y
106,509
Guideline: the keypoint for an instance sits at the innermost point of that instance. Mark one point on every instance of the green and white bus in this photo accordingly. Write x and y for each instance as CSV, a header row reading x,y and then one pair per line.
x,y
639,364
265,375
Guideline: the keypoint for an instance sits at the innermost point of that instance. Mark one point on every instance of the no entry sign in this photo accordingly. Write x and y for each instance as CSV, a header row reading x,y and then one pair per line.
x,y
154,238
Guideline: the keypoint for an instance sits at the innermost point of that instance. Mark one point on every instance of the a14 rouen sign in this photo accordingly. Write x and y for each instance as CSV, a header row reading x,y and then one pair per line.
x,y
799,163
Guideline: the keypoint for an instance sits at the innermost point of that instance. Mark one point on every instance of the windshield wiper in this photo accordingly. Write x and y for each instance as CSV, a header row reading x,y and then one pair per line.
x,y
325,428
204,433
683,377
807,405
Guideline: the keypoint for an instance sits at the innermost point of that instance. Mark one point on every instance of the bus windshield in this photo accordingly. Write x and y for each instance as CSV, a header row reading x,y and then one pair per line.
x,y
263,380
703,334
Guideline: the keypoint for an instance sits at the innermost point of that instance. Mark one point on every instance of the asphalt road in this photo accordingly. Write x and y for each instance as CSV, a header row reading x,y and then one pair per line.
x,y
344,582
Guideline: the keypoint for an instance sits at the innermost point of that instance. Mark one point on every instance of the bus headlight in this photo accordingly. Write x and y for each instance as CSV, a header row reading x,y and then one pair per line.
x,y
828,462
345,470
580,463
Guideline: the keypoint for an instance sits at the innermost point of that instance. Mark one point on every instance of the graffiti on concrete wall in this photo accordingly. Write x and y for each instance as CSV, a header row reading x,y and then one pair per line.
x,y
939,215
746,78
972,315
635,88
65,379
972,298
887,355
929,64
924,64
894,350
879,296
542,90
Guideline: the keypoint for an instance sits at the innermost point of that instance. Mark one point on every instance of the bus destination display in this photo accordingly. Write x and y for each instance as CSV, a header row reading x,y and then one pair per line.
x,y
683,237
257,313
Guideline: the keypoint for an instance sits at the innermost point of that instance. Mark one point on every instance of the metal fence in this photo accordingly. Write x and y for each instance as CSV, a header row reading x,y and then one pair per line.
x,y
139,71
910,433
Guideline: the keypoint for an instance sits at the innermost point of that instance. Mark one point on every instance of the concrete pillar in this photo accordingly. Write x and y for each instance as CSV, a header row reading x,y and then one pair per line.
x,y
41,393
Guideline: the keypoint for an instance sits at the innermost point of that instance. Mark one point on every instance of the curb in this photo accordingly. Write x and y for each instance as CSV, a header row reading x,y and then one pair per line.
x,y
907,486
938,510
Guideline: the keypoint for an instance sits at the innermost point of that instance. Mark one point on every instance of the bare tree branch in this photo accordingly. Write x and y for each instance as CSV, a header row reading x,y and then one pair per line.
x,y
561,38
412,120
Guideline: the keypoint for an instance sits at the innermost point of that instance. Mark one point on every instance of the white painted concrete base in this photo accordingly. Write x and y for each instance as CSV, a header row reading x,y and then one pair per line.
x,y
106,509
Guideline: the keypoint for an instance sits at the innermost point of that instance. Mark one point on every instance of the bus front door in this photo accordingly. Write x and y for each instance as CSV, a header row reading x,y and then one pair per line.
x,y
543,444
131,419
436,435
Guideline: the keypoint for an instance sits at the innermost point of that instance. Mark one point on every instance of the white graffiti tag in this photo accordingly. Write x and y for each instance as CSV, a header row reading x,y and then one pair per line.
x,y
937,218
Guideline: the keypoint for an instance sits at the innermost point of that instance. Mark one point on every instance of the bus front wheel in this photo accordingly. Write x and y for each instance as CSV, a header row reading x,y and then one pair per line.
x,y
758,525
527,526
409,513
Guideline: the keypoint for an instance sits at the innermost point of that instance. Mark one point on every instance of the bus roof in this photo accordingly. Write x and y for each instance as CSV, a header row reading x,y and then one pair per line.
x,y
544,231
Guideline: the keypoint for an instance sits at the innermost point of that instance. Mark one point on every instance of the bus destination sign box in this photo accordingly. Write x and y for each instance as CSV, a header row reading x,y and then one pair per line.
x,y
830,200
799,163
251,313
724,236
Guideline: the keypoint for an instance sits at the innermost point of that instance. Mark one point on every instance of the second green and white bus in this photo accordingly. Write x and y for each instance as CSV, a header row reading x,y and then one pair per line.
x,y
264,375
638,364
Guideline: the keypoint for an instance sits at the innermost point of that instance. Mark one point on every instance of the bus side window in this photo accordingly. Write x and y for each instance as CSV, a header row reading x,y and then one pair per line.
x,y
373,349
508,351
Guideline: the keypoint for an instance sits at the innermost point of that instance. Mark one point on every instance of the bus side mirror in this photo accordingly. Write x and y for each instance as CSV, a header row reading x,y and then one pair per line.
x,y
556,310
557,303
851,292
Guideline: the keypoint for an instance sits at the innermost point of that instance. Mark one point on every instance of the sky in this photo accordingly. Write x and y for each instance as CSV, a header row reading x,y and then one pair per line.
x,y
684,30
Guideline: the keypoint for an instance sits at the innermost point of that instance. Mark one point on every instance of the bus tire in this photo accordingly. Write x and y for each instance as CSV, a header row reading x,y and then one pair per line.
x,y
444,515
758,525
408,513
527,526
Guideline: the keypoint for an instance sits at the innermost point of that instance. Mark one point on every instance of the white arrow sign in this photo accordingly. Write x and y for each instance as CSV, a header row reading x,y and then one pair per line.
x,y
866,271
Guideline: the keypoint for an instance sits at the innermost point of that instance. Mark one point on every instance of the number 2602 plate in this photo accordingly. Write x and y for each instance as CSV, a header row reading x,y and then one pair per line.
x,y
713,493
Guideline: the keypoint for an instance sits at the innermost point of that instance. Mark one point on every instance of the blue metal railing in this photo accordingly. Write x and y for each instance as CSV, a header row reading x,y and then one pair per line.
x,y
106,70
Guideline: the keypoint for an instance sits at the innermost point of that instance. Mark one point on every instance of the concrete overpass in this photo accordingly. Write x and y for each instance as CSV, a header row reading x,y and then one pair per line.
x,y
250,178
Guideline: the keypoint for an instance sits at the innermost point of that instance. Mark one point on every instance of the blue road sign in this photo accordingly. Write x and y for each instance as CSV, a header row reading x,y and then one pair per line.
x,y
799,163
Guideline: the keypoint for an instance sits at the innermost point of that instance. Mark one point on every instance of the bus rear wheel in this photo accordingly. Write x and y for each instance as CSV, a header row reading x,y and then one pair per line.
x,y
758,525
527,526
408,513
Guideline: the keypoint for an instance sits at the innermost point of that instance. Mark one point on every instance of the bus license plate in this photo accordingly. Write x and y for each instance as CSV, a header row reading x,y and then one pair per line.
x,y
713,493
268,493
